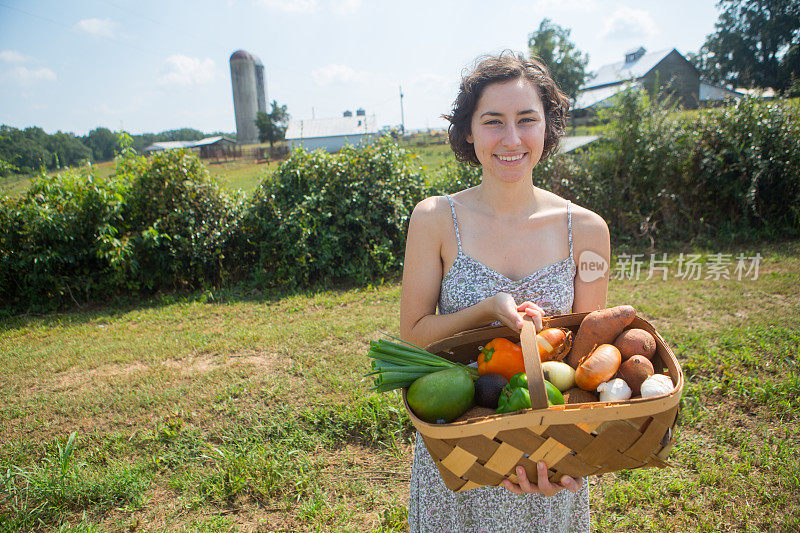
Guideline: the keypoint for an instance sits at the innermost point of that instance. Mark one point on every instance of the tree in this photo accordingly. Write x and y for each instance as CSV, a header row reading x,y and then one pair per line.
x,y
756,43
272,126
552,45
103,142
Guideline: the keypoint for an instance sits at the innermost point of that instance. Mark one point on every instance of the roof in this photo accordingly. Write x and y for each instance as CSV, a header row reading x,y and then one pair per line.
x,y
710,91
622,71
600,96
174,145
568,144
332,127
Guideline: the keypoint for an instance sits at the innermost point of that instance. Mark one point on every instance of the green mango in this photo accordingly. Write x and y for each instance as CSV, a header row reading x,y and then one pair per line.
x,y
441,395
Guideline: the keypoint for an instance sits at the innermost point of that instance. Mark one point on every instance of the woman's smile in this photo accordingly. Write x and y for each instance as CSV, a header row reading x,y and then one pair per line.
x,y
510,158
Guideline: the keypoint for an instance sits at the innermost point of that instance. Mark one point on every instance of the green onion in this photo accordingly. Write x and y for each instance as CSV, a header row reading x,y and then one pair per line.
x,y
397,365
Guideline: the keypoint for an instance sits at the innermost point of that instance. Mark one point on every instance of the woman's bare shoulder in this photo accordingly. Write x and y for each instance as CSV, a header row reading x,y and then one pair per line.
x,y
590,231
431,214
431,208
585,219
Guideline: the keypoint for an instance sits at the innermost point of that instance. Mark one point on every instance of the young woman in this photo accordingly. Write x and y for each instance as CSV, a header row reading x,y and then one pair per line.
x,y
493,253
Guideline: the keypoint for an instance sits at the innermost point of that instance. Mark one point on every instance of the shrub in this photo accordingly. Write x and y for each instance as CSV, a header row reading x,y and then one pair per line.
x,y
75,237
339,217
453,176
49,251
176,222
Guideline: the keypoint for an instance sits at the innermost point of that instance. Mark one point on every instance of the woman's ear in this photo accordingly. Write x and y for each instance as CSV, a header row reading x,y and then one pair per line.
x,y
469,139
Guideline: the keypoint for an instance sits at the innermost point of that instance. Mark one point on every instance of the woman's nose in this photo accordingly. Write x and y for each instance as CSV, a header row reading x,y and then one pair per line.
x,y
511,137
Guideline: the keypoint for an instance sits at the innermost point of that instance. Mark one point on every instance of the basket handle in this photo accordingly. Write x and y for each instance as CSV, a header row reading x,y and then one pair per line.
x,y
533,366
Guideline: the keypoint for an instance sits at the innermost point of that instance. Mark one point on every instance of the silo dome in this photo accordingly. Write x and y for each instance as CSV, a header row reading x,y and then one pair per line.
x,y
241,54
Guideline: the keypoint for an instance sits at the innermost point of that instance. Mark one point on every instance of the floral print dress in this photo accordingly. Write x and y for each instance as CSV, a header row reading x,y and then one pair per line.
x,y
432,506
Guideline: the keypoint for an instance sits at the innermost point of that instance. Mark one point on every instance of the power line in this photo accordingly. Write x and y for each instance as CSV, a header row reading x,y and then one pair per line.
x,y
70,28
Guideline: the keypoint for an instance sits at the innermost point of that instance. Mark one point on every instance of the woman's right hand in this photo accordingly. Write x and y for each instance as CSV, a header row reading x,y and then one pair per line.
x,y
506,310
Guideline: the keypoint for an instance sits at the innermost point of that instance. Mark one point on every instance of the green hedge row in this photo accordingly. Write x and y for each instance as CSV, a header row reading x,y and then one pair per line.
x,y
658,176
163,224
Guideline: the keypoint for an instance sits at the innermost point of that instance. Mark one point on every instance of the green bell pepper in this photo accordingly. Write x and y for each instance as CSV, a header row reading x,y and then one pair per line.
x,y
515,395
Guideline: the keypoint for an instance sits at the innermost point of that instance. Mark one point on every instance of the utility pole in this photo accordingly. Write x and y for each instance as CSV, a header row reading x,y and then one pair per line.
x,y
402,119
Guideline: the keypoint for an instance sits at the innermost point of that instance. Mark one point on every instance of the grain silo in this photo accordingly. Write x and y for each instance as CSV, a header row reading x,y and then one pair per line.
x,y
249,94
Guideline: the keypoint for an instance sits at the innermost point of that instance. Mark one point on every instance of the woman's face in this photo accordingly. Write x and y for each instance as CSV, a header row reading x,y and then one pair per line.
x,y
508,129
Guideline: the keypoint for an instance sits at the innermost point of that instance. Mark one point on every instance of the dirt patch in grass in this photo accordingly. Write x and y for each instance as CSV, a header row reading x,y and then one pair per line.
x,y
187,366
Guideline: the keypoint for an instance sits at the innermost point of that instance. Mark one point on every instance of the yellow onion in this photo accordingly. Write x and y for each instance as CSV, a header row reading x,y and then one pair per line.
x,y
600,365
554,344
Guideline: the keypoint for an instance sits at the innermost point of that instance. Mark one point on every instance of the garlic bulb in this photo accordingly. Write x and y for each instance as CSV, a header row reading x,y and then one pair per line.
x,y
614,390
656,385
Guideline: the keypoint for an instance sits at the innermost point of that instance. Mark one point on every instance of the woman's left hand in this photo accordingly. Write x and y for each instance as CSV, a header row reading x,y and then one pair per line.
x,y
534,311
544,486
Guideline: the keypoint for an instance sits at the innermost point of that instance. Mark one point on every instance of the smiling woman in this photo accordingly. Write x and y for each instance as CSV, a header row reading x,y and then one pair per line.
x,y
493,254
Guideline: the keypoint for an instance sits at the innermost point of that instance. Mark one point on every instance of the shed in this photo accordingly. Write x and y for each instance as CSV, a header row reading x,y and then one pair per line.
x,y
205,148
332,134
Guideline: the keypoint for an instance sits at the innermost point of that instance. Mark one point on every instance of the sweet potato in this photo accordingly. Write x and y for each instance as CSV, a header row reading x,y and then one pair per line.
x,y
599,327
635,341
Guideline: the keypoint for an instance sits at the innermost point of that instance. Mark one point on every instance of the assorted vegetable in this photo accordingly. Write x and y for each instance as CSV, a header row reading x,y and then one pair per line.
x,y
599,327
605,356
559,374
599,366
553,343
398,365
614,391
656,385
515,395
635,341
488,388
501,356
442,396
635,370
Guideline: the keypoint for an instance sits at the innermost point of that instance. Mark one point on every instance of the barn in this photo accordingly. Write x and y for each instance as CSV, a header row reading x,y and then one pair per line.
x,y
649,70
332,134
207,148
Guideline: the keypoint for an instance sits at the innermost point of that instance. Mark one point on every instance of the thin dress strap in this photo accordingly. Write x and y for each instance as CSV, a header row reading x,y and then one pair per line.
x,y
455,222
569,225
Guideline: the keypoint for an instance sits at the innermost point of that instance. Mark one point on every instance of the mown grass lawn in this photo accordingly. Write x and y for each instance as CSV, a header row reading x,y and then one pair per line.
x,y
241,411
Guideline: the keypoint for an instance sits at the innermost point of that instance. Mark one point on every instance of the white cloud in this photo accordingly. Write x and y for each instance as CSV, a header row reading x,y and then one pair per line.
x,y
97,27
627,23
345,6
337,74
27,76
183,70
290,6
12,56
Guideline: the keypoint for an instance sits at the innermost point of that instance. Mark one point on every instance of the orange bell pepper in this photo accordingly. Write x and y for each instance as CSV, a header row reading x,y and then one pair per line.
x,y
501,356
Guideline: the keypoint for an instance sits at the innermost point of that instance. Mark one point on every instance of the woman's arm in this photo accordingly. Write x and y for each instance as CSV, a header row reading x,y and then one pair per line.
x,y
592,253
430,224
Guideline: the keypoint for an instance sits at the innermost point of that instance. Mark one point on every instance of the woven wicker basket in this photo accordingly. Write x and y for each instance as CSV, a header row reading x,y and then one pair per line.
x,y
575,440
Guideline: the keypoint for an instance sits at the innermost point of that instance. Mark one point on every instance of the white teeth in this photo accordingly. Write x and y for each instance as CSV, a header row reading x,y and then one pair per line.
x,y
511,157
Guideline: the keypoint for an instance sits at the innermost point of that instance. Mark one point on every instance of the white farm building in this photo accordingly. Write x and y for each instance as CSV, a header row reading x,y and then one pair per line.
x,y
332,134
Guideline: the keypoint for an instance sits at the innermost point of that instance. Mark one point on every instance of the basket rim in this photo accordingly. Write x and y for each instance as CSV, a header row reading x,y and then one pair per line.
x,y
559,414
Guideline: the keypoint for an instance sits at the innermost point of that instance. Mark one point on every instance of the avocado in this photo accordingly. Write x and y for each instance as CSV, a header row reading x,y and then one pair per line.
x,y
442,395
487,389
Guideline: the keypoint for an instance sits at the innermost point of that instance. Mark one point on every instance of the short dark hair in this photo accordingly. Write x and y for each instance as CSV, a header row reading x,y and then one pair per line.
x,y
506,66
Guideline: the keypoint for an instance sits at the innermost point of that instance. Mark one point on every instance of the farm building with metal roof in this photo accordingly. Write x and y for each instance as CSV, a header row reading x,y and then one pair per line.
x,y
205,148
332,134
664,69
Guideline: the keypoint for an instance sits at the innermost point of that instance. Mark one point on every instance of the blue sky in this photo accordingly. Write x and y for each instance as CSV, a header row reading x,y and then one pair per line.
x,y
149,66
